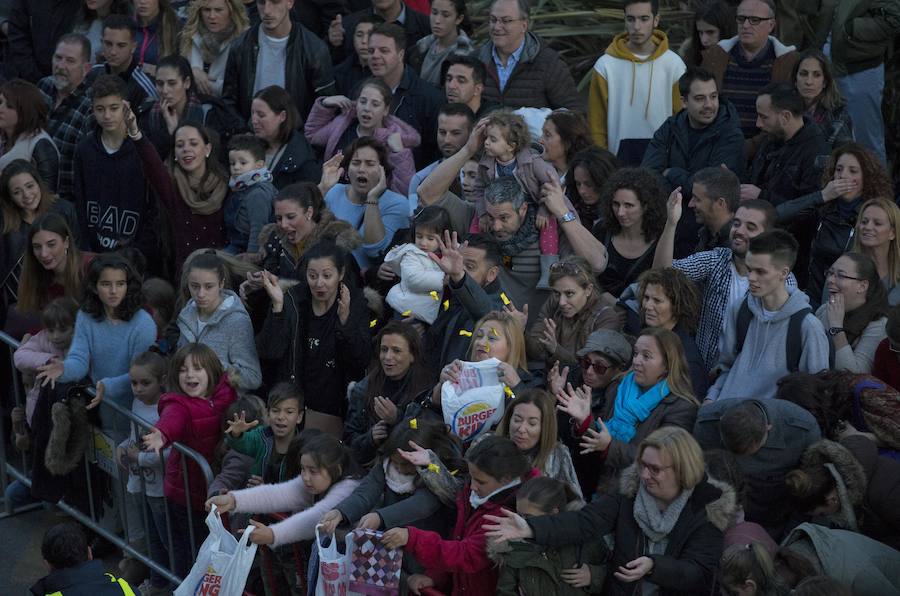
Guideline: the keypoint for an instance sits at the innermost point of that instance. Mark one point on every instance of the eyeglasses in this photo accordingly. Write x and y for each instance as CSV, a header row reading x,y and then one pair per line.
x,y
504,22
586,363
654,471
754,21
841,276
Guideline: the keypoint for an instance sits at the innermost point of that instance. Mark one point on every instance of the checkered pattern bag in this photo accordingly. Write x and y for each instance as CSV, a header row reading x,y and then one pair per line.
x,y
374,569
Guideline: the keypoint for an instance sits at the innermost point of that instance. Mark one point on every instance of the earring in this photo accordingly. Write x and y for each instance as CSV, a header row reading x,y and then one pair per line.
x,y
207,156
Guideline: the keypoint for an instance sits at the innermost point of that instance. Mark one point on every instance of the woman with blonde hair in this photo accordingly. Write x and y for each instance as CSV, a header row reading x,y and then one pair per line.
x,y
656,393
497,335
211,28
667,520
571,314
877,235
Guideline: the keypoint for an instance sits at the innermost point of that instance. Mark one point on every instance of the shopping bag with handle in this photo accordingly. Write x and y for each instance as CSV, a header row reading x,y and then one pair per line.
x,y
374,568
334,567
222,564
475,402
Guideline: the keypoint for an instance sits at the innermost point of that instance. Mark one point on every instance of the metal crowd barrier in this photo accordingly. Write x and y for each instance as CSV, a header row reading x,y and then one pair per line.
x,y
118,536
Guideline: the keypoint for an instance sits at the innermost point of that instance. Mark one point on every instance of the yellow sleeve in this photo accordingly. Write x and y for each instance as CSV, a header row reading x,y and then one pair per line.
x,y
598,107
676,99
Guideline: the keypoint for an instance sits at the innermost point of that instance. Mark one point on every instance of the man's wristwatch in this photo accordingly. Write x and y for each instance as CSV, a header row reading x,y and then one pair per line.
x,y
567,217
832,331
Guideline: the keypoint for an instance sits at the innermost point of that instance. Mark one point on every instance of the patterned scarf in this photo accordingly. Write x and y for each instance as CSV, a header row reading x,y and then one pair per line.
x,y
205,200
248,179
526,235
632,407
212,44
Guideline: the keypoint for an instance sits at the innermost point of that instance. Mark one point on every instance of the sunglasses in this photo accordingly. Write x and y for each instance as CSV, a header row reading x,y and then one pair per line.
x,y
586,363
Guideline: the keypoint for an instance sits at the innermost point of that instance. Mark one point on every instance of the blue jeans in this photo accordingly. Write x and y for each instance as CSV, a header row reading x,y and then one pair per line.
x,y
158,537
18,495
863,91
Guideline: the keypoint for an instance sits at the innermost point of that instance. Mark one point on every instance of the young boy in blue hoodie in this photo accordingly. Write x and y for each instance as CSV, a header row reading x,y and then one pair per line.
x,y
249,204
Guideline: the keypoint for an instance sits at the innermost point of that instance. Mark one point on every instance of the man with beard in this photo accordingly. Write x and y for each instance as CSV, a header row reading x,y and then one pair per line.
x,y
464,78
66,93
454,125
721,272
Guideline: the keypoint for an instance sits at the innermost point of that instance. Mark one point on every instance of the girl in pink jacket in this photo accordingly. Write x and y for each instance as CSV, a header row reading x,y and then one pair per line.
x,y
369,116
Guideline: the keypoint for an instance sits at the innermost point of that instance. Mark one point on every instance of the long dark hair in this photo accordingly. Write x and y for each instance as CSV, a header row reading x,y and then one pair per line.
x,y
180,64
573,129
90,300
213,165
418,378
35,282
12,214
327,451
876,304
718,14
599,165
827,395
428,434
645,186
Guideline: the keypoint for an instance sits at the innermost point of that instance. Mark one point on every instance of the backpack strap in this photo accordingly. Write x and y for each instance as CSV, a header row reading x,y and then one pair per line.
x,y
794,340
743,323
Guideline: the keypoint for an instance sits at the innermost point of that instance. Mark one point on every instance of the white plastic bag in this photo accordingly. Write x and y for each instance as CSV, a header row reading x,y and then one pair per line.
x,y
334,567
475,403
222,563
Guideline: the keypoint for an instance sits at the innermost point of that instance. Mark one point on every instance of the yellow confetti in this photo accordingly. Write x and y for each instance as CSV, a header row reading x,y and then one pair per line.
x,y
465,333
372,323
435,295
508,391
406,313
446,304
414,424
434,468
454,472
494,332
504,299
487,348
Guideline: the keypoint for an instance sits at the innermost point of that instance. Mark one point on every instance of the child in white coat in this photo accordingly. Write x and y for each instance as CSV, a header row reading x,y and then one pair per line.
x,y
421,286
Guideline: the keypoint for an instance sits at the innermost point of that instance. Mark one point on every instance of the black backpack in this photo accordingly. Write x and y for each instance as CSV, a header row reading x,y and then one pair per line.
x,y
794,338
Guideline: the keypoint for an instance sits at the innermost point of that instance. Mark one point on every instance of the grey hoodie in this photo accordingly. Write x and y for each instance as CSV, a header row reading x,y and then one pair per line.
x,y
228,332
763,360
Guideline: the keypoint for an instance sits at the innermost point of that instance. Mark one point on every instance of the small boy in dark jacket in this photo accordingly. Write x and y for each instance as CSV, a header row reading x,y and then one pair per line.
x,y
249,204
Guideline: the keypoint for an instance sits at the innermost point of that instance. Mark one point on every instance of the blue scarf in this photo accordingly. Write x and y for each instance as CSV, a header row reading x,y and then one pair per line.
x,y
633,407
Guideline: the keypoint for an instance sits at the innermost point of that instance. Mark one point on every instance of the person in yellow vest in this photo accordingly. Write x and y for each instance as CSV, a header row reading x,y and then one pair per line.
x,y
73,570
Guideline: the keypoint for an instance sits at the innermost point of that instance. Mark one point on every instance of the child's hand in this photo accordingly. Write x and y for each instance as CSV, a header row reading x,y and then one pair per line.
x,y
595,440
540,221
484,224
331,520
224,503
417,582
395,538
417,456
370,521
579,577
262,534
254,480
379,431
132,453
511,526
385,409
153,440
238,425
339,102
574,402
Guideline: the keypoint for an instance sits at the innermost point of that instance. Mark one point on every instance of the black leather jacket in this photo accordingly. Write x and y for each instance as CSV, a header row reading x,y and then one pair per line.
x,y
307,70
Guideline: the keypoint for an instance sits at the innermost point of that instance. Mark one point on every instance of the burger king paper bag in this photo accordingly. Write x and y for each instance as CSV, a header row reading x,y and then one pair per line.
x,y
475,403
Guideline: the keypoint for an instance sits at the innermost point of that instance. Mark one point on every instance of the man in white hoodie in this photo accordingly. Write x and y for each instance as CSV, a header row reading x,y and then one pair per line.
x,y
772,332
634,85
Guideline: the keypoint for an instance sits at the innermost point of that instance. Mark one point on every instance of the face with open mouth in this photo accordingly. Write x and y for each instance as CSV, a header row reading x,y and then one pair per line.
x,y
371,108
193,378
395,356
25,192
50,249
363,171
284,416
191,150
874,227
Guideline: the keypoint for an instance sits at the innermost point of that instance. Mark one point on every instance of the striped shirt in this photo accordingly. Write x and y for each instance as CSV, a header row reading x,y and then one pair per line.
x,y
743,80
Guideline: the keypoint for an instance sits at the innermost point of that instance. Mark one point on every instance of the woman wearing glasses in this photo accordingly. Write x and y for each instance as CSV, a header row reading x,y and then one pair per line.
x,y
852,175
668,521
571,314
854,315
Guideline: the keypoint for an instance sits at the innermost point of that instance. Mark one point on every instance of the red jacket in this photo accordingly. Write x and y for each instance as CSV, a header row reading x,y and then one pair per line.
x,y
195,423
463,558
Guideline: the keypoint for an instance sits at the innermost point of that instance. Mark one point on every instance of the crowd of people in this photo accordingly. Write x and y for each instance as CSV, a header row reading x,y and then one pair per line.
x,y
277,232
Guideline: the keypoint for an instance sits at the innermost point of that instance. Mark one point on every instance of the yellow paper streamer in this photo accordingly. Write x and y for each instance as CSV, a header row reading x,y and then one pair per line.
x,y
434,468
414,424
434,295
446,304
406,313
372,323
504,299
465,333
508,391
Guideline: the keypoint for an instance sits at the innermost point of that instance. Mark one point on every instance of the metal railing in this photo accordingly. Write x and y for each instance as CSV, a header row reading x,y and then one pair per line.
x,y
118,536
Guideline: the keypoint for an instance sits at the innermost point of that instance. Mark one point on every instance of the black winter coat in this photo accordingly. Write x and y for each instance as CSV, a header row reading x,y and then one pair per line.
x,y
788,170
34,28
540,79
307,70
86,579
417,103
694,544
297,164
